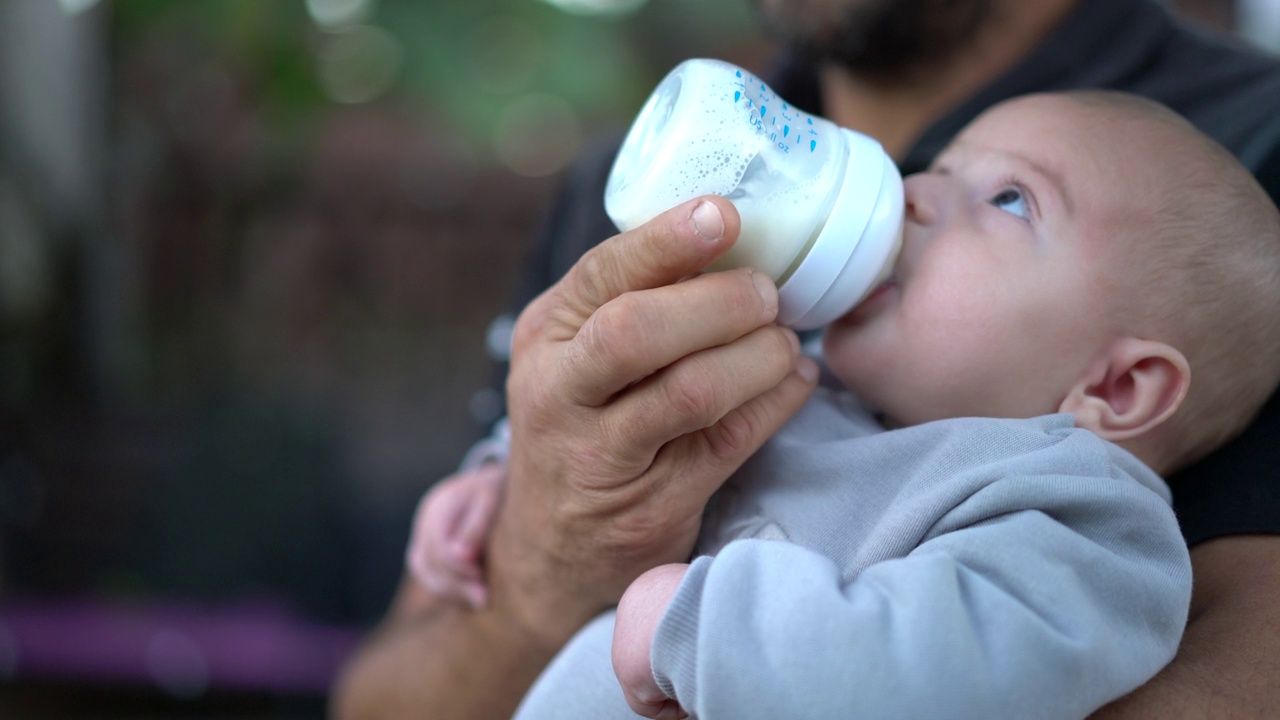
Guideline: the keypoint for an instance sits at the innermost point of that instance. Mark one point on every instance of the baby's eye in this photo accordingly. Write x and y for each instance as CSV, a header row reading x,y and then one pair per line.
x,y
1011,200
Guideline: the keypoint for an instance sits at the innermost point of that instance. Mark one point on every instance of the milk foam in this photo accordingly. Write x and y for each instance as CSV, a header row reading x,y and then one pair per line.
x,y
719,130
821,206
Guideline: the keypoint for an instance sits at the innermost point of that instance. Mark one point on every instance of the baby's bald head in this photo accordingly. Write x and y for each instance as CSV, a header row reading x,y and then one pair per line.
x,y
1200,263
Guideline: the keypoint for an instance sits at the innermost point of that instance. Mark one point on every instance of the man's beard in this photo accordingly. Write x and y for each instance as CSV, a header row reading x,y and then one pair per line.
x,y
884,39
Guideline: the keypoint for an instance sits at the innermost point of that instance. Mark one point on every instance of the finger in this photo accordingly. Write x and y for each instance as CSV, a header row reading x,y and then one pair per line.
x,y
439,548
417,565
459,558
443,511
450,583
704,459
440,562
476,595
658,708
478,520
459,566
698,392
429,563
416,555
673,245
671,710
638,333
430,578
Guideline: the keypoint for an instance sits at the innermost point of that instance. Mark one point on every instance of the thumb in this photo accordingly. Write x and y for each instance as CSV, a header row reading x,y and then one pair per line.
x,y
668,248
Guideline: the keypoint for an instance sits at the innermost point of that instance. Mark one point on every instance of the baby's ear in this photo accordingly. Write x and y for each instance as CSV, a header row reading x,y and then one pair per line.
x,y
1132,388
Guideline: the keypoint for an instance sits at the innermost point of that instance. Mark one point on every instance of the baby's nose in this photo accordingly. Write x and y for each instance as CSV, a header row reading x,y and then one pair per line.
x,y
922,204
932,198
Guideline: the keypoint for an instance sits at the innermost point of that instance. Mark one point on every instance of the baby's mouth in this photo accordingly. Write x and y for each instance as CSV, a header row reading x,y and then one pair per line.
x,y
889,284
865,307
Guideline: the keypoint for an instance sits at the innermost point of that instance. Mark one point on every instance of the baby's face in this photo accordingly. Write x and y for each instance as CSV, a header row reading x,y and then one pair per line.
x,y
1005,288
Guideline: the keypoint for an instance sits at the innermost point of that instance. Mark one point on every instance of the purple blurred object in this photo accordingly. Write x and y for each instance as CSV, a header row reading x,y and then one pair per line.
x,y
184,649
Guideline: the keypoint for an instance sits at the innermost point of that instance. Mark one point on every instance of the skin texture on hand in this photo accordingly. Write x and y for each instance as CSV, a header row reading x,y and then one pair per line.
x,y
639,613
637,387
450,528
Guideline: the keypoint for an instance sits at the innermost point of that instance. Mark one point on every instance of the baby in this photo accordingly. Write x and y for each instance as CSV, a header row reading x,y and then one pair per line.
x,y
1007,549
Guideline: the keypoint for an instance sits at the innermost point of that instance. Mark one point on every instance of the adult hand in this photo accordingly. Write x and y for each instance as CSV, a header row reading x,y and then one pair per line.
x,y
636,388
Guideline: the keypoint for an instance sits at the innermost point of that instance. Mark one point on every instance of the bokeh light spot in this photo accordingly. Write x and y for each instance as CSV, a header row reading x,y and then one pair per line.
x,y
177,664
497,339
359,64
73,7
506,53
538,134
598,7
485,406
339,13
1259,22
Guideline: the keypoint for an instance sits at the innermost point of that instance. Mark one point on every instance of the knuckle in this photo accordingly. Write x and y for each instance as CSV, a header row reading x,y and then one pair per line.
x,y
775,355
596,464
528,326
638,529
526,385
594,275
691,396
735,434
610,328
612,335
535,398
588,359
533,407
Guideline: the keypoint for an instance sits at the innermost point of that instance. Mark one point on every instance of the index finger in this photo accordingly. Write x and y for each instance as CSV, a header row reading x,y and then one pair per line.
x,y
673,245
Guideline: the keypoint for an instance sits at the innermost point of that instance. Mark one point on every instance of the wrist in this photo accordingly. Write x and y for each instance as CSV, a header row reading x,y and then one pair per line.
x,y
535,588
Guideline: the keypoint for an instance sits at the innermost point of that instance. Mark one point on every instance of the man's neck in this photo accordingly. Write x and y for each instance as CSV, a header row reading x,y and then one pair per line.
x,y
896,111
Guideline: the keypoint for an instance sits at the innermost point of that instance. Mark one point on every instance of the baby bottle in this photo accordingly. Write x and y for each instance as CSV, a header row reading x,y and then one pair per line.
x,y
821,206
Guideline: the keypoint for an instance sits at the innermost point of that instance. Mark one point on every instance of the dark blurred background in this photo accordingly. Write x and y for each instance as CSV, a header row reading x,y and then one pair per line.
x,y
250,251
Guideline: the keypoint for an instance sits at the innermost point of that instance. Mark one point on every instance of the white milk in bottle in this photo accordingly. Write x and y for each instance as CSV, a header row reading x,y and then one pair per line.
x,y
821,206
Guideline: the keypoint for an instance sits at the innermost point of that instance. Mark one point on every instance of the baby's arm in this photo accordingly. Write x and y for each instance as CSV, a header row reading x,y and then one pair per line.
x,y
1002,613
639,611
450,527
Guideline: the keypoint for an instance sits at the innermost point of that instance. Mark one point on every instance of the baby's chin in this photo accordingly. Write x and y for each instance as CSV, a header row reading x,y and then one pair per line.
x,y
892,405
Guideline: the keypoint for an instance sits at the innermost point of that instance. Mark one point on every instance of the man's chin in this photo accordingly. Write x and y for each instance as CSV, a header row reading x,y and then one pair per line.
x,y
883,38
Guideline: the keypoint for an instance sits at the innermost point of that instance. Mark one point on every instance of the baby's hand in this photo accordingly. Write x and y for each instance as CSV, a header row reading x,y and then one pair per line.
x,y
450,527
639,611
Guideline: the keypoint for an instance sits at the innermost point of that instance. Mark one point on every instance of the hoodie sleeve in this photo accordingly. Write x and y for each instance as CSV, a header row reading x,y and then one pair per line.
x,y
1037,597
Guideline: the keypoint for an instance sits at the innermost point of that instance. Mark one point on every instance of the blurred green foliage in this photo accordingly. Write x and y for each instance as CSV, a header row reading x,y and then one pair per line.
x,y
267,40
464,61
296,288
